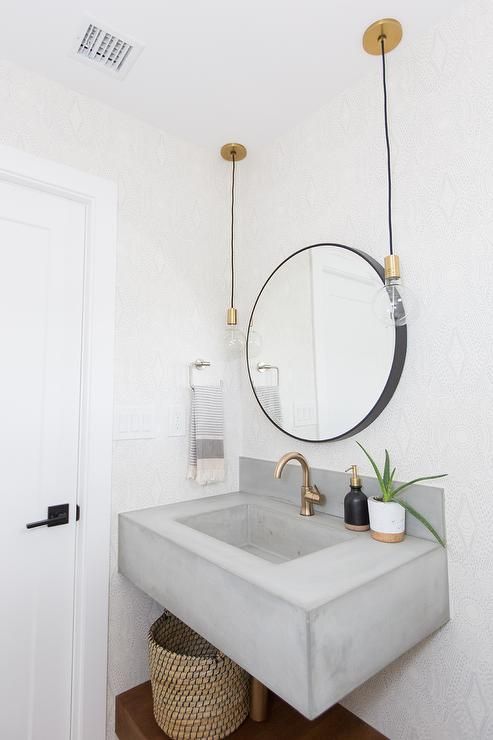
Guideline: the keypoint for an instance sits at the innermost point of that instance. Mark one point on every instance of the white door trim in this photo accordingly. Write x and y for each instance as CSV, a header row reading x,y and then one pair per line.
x,y
94,489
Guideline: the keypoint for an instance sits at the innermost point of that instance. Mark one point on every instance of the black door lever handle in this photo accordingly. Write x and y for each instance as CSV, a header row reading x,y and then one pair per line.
x,y
56,515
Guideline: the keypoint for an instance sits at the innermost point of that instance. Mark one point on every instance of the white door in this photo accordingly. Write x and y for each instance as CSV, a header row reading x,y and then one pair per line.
x,y
42,240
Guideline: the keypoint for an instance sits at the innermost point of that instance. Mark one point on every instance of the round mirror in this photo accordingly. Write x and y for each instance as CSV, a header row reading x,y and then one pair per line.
x,y
326,367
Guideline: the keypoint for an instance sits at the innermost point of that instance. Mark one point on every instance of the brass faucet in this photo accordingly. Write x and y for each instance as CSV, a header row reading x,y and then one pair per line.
x,y
309,494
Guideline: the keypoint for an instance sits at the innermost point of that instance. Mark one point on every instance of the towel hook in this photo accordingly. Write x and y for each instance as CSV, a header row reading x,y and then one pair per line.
x,y
198,365
263,366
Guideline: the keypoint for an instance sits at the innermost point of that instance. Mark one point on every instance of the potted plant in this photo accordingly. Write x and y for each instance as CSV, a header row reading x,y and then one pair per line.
x,y
388,512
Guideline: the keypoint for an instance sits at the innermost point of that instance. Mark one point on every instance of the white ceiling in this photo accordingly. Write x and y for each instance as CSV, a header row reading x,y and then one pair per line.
x,y
213,70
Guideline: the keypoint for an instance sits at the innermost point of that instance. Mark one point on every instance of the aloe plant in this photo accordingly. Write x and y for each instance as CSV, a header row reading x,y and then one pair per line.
x,y
390,493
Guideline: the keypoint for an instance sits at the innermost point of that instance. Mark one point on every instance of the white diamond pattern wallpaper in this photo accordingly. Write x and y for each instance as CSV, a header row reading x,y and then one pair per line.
x,y
325,181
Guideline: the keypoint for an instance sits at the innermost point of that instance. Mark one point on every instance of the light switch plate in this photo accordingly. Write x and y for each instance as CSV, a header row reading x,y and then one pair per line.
x,y
304,414
135,422
176,421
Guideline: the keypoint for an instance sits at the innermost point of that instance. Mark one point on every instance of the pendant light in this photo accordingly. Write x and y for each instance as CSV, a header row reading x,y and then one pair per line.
x,y
393,304
234,337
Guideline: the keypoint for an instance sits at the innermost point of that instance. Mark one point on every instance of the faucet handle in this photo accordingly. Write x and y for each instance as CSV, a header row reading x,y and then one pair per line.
x,y
313,494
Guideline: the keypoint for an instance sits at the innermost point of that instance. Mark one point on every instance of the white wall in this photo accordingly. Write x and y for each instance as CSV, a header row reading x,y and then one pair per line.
x,y
325,181
171,300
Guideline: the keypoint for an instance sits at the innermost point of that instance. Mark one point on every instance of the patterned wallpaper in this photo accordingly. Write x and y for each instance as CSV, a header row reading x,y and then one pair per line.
x,y
325,181
171,299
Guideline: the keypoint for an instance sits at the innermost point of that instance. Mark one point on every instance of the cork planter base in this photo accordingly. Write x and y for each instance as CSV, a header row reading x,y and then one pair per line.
x,y
388,537
387,520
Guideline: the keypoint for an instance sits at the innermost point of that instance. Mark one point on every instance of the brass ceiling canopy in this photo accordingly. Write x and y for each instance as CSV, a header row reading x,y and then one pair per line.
x,y
238,151
389,28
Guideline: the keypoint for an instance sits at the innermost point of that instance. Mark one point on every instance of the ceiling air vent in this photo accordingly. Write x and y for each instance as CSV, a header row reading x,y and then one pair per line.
x,y
106,50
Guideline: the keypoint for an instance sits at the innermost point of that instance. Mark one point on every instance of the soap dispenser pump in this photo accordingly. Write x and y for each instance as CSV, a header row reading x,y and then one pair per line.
x,y
356,504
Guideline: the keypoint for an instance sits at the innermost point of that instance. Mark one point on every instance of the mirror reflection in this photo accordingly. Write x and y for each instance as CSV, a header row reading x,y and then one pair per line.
x,y
325,367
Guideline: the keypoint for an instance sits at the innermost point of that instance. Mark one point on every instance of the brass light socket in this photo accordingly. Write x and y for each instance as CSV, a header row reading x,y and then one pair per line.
x,y
392,267
232,316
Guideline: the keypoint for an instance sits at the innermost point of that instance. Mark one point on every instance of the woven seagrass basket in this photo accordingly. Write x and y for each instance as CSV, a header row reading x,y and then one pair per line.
x,y
198,693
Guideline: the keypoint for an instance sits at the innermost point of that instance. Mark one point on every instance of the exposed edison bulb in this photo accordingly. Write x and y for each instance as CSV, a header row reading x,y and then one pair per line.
x,y
254,343
394,304
233,337
234,340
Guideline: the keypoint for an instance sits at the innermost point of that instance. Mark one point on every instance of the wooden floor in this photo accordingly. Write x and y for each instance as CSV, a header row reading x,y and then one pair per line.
x,y
135,721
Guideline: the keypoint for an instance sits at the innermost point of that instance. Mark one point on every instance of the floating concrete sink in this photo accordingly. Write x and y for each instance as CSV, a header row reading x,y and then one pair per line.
x,y
270,533
306,607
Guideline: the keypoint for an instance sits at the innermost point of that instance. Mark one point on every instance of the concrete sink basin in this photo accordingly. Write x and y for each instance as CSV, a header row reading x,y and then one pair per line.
x,y
272,534
305,606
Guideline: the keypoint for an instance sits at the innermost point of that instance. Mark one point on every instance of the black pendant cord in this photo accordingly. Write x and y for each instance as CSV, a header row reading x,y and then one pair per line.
x,y
233,230
387,141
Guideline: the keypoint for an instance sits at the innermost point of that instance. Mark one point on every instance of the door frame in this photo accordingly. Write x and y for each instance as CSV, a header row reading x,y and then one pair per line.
x,y
92,567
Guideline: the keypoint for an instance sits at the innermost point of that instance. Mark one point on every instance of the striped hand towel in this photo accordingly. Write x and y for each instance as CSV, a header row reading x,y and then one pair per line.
x,y
269,397
206,451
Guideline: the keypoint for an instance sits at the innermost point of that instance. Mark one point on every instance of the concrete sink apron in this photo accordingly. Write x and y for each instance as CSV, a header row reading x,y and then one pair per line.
x,y
305,606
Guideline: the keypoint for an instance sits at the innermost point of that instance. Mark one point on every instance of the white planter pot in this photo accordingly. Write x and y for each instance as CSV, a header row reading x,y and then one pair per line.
x,y
387,520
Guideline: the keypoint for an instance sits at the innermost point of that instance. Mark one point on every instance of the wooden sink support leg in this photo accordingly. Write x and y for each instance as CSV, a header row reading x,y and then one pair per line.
x,y
259,699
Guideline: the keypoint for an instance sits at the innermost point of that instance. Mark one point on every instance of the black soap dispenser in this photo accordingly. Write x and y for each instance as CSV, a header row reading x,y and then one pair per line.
x,y
356,504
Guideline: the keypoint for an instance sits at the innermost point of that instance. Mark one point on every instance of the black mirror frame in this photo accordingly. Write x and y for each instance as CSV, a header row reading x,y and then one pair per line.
x,y
398,361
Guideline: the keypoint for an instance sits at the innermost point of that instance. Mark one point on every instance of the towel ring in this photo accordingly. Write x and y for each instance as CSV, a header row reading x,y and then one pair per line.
x,y
198,365
263,366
